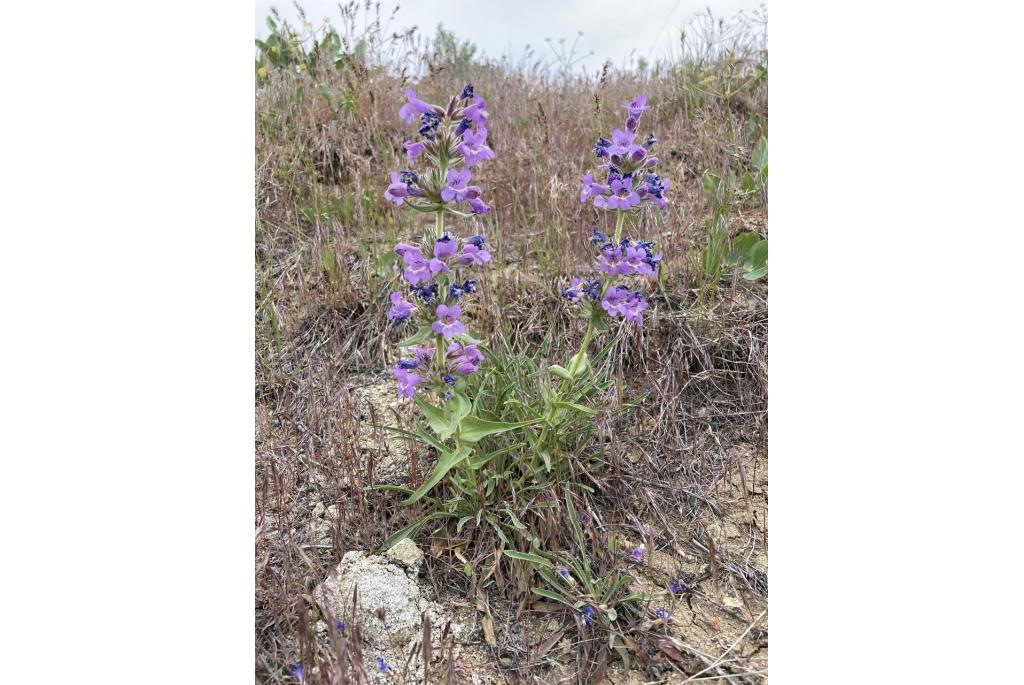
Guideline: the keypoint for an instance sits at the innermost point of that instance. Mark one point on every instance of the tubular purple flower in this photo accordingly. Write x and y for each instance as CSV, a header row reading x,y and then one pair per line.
x,y
448,324
575,290
476,112
417,269
635,262
478,206
615,299
456,188
637,553
422,355
413,150
397,191
446,246
474,147
591,189
464,359
471,254
414,107
437,266
623,196
401,308
633,309
612,262
402,248
407,381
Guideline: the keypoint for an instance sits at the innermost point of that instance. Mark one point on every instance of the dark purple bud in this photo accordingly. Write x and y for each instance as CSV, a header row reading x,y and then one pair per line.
x,y
477,240
463,126
651,140
467,92
449,379
631,123
601,147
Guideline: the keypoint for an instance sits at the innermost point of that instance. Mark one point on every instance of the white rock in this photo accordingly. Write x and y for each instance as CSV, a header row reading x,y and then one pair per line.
x,y
406,553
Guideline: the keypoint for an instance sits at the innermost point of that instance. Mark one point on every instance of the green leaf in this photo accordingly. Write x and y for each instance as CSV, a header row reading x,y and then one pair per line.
x,y
459,405
760,156
435,416
578,407
711,184
526,556
445,463
412,529
551,595
474,429
747,182
421,334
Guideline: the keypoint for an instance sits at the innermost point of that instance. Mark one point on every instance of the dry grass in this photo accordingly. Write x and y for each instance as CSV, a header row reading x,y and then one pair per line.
x,y
685,478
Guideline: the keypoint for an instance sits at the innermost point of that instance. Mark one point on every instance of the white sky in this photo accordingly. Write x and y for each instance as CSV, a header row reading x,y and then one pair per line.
x,y
611,28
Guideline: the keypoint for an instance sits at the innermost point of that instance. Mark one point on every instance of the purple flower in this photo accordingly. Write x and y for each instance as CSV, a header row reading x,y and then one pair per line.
x,y
456,188
407,381
467,92
464,359
651,141
598,237
564,572
612,261
448,323
588,615
615,299
412,150
635,262
623,148
401,308
663,615
638,106
474,147
382,665
297,672
623,196
397,191
417,269
590,188
575,290
402,248
634,308
601,147
471,254
476,112
457,291
414,107
637,553
422,355
477,240
478,206
653,188
340,625
445,247
463,126
677,587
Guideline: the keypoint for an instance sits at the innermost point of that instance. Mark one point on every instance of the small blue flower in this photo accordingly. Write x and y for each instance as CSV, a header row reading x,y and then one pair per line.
x,y
664,615
407,364
651,141
588,615
382,665
340,625
463,126
297,672
601,147
449,379
477,240
637,553
467,92
409,177
598,237
677,587
427,294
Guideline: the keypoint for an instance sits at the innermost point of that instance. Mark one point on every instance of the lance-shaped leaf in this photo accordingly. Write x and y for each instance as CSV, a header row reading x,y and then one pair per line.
x,y
474,429
445,463
435,416
419,336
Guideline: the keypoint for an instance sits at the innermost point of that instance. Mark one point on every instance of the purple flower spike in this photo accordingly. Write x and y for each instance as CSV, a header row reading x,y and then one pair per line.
x,y
471,254
446,246
414,107
407,382
401,309
448,324
474,147
412,150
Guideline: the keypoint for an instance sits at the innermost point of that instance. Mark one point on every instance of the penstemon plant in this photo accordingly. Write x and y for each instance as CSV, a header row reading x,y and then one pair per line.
x,y
442,354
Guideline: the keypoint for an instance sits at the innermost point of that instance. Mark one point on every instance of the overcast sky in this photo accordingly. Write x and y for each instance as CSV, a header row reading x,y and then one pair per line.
x,y
611,28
